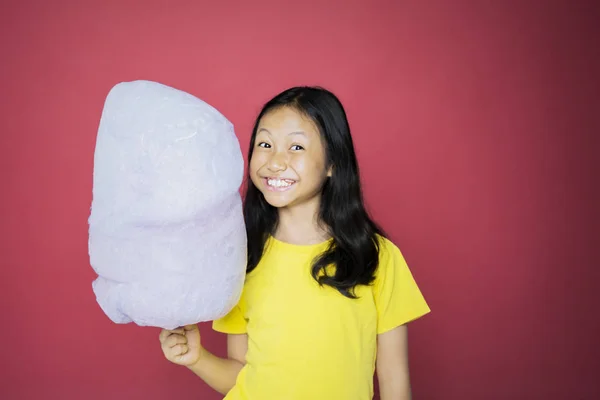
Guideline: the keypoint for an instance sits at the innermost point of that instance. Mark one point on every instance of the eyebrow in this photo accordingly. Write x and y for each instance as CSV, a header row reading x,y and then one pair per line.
x,y
289,134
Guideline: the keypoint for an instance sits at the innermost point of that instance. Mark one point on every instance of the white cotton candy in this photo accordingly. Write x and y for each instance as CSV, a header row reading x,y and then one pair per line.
x,y
166,230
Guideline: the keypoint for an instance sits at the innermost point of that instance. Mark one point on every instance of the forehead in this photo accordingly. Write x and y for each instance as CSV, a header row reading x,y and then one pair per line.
x,y
286,120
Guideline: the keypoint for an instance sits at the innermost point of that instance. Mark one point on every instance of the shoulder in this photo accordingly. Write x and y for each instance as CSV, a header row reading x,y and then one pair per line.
x,y
389,252
385,243
392,264
397,296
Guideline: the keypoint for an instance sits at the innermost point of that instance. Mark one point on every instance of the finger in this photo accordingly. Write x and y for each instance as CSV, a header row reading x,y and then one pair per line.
x,y
174,340
190,327
163,335
183,357
179,350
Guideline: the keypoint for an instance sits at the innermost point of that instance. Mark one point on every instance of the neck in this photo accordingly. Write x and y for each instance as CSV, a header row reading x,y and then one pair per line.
x,y
300,224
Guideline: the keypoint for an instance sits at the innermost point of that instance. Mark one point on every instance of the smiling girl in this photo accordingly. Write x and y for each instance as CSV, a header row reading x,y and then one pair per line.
x,y
327,296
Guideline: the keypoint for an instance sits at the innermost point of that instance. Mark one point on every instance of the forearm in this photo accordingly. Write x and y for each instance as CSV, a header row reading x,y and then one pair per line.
x,y
218,373
394,392
394,384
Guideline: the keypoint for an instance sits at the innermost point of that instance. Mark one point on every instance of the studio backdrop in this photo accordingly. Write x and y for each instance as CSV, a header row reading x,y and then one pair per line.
x,y
472,124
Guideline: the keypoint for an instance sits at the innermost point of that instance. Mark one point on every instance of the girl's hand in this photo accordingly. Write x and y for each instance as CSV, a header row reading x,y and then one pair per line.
x,y
182,346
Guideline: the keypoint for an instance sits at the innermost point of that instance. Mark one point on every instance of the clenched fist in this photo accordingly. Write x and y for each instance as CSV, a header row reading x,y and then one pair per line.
x,y
182,345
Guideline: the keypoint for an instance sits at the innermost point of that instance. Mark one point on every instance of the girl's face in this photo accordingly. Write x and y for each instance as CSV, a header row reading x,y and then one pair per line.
x,y
288,163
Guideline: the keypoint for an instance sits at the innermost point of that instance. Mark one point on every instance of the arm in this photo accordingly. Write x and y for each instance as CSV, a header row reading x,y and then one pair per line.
x,y
221,373
392,364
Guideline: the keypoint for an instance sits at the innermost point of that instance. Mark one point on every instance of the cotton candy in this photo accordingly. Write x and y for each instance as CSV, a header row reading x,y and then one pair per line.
x,y
166,230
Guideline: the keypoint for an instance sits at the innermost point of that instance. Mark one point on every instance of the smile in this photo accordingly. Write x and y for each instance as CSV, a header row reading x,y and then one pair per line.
x,y
279,185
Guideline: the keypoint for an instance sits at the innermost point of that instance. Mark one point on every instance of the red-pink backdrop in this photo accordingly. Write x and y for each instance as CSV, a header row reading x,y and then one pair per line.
x,y
474,128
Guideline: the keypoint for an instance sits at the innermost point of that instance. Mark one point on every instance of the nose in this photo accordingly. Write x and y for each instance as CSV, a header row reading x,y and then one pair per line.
x,y
277,163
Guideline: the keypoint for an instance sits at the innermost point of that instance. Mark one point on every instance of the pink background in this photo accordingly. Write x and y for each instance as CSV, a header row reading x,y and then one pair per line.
x,y
476,133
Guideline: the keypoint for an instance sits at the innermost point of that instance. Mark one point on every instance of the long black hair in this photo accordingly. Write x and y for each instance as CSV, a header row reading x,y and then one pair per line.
x,y
354,250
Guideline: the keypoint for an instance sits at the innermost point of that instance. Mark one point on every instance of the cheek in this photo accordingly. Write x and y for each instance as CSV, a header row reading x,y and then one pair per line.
x,y
257,162
298,164
315,164
310,168
253,172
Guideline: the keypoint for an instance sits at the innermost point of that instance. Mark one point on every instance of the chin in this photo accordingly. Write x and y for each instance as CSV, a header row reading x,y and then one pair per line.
x,y
275,201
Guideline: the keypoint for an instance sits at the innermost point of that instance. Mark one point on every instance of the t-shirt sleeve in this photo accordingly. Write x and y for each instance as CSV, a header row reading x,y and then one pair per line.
x,y
397,296
233,322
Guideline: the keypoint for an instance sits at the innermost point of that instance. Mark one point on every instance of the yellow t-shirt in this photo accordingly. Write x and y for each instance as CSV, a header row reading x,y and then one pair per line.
x,y
308,342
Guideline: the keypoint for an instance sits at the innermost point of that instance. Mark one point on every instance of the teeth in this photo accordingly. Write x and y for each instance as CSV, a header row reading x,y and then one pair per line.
x,y
278,183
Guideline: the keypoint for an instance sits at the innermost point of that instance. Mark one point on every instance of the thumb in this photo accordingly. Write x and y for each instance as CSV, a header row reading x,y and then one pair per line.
x,y
190,327
187,358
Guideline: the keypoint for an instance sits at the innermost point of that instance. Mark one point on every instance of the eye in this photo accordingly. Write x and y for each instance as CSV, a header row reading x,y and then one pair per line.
x,y
265,145
297,147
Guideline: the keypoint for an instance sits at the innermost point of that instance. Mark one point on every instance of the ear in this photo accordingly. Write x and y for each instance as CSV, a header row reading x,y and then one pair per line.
x,y
330,172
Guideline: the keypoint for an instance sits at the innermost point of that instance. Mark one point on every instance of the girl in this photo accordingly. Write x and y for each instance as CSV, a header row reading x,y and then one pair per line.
x,y
327,296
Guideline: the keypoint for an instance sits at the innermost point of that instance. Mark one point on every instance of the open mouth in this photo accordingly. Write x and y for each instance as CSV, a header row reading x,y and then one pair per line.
x,y
279,184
